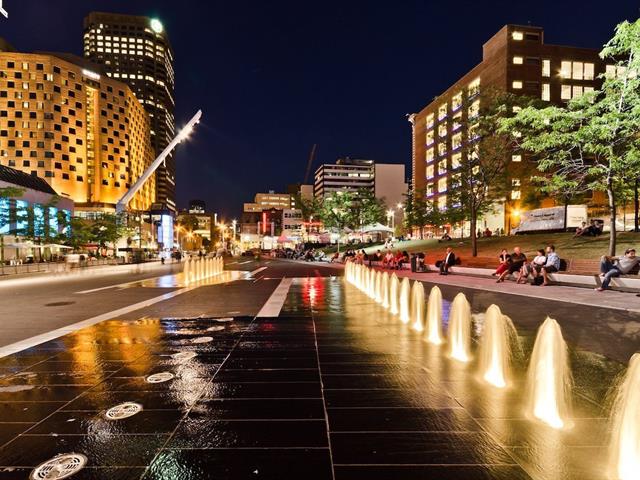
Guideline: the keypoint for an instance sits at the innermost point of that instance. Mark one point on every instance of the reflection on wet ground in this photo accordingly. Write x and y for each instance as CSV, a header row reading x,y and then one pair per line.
x,y
336,387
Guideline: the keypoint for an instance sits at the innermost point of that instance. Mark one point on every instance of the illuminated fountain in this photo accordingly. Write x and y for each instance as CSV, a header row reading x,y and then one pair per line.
x,y
495,347
186,271
459,331
549,377
434,317
378,287
371,284
417,306
405,300
625,439
385,290
394,291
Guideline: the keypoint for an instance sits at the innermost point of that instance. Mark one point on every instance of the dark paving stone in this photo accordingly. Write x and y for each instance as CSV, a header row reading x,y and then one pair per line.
x,y
417,449
263,390
547,462
97,401
186,371
272,464
273,353
247,376
200,431
374,381
26,358
388,398
95,368
53,378
139,384
84,423
525,433
400,419
359,358
422,472
369,369
103,450
40,393
261,409
87,473
240,363
27,411
10,430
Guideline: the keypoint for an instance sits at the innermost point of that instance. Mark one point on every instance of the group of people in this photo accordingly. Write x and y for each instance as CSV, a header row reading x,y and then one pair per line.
x,y
387,259
594,229
545,262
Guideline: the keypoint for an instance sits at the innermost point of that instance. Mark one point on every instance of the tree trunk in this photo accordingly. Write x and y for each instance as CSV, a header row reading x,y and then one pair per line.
x,y
474,239
612,207
636,207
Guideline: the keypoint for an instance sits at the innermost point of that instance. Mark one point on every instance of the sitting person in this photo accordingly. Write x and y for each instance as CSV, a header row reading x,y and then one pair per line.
x,y
532,268
376,257
448,261
580,230
336,257
615,266
487,232
504,260
517,261
387,260
445,237
401,257
420,265
551,266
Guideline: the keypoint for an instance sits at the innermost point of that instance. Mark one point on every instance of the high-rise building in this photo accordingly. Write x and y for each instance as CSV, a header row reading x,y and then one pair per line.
x,y
136,51
515,60
85,134
385,180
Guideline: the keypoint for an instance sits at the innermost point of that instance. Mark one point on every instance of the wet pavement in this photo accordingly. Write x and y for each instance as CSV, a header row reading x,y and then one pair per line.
x,y
333,388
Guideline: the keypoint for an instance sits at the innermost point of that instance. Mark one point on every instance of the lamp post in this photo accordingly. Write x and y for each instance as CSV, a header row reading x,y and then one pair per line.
x,y
234,223
391,217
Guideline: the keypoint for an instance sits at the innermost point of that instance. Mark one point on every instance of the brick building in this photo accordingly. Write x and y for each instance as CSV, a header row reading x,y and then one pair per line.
x,y
517,60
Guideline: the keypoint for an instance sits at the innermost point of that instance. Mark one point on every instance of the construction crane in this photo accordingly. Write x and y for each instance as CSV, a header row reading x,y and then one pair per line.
x,y
312,157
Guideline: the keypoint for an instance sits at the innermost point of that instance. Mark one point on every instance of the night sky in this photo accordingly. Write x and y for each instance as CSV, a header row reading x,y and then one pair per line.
x,y
273,78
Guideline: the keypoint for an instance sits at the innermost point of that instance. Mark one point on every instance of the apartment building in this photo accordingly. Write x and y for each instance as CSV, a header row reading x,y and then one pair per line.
x,y
517,60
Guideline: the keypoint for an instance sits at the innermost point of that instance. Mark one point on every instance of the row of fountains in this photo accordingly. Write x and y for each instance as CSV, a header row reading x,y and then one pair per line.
x,y
197,269
549,380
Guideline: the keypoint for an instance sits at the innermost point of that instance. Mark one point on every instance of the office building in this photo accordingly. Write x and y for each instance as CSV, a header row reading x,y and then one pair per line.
x,y
136,51
517,60
266,201
386,181
85,134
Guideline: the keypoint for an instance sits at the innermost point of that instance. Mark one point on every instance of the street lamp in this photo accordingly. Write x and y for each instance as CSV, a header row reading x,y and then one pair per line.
x,y
234,223
391,216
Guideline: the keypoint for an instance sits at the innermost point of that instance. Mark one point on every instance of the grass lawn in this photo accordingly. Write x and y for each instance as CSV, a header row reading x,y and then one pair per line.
x,y
566,246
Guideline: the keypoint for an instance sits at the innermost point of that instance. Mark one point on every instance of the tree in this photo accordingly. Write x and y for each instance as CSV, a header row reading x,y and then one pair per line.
x,y
337,213
79,232
108,228
480,176
592,143
367,209
189,222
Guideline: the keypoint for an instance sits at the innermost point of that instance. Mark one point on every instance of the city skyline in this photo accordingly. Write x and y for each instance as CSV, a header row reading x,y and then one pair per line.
x,y
272,81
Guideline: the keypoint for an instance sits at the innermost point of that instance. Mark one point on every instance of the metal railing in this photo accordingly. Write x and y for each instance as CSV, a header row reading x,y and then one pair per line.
x,y
59,267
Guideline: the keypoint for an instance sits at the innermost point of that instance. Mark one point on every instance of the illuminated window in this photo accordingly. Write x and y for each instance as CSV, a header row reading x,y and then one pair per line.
x,y
473,132
576,91
430,171
456,141
516,158
455,160
546,68
588,89
456,101
430,189
442,202
565,69
442,111
442,185
430,155
442,167
577,71
442,130
518,60
565,92
515,194
516,84
546,92
442,149
474,109
474,87
516,35
457,121
515,182
588,71
430,137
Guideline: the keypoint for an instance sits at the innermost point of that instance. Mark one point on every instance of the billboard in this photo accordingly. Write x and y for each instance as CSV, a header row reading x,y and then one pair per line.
x,y
552,218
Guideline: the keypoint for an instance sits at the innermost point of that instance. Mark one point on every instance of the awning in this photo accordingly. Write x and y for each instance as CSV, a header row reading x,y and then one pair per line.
x,y
376,227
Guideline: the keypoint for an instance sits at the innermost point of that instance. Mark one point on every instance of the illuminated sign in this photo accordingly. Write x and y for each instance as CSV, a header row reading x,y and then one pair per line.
x,y
90,74
156,25
166,231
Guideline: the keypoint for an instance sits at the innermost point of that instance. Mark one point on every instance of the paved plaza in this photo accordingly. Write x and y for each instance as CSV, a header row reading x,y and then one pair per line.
x,y
332,386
